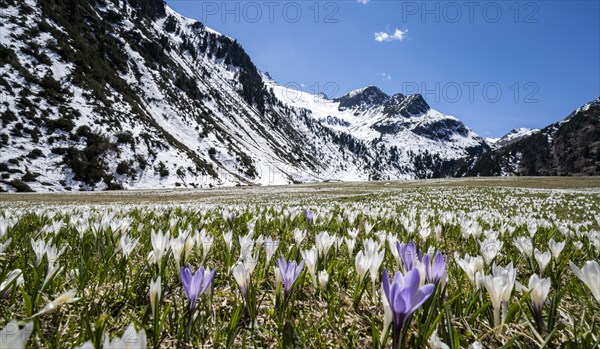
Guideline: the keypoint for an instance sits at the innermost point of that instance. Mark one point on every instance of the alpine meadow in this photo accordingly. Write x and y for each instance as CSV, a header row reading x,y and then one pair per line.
x,y
160,189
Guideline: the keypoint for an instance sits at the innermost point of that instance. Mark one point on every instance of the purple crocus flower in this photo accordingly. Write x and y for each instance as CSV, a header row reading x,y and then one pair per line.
x,y
289,273
435,270
408,253
404,297
195,284
309,215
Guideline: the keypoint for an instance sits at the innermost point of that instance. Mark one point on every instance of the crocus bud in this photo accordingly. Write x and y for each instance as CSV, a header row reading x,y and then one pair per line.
x,y
278,279
155,291
323,279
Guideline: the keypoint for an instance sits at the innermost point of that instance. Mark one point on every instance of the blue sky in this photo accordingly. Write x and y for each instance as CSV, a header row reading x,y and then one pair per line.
x,y
495,65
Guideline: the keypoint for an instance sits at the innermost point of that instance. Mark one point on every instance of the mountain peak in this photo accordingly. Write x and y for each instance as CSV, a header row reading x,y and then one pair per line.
x,y
363,99
406,106
513,136
519,130
585,107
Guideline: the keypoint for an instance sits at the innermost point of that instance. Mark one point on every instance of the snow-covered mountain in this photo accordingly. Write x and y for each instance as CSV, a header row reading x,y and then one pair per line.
x,y
511,137
110,94
405,124
565,148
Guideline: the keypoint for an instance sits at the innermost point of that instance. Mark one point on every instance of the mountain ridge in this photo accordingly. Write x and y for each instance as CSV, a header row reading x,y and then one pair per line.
x,y
129,94
566,148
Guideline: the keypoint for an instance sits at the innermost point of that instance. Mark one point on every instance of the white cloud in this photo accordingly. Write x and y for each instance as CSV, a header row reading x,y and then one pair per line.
x,y
364,2
397,35
386,76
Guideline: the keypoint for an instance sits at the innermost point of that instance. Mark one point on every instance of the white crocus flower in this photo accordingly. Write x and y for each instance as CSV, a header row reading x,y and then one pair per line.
x,y
242,277
362,263
246,247
39,249
353,233
471,265
388,316
82,227
595,241
228,238
177,245
209,289
495,287
424,232
376,260
324,241
394,249
189,246
590,275
543,259
160,245
339,241
260,239
524,245
540,288
350,243
270,248
532,227
15,276
435,342
299,236
4,225
206,241
370,246
127,245
438,232
278,277
510,274
4,246
556,247
381,236
52,253
499,286
490,249
65,298
250,262
310,259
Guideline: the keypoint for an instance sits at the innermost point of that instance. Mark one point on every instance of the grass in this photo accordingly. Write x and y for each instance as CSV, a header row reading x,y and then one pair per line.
x,y
345,191
458,216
